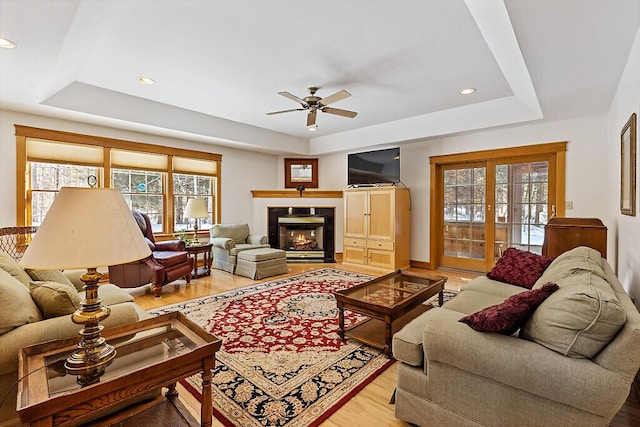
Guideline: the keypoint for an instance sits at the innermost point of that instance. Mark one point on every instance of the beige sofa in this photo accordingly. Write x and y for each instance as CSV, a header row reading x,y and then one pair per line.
x,y
31,317
228,240
571,364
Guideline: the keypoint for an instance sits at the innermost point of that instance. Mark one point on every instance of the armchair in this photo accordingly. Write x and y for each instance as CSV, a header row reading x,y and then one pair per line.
x,y
168,262
228,240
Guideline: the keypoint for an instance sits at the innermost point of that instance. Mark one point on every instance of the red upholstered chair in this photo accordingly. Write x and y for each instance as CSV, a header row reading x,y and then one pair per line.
x,y
168,262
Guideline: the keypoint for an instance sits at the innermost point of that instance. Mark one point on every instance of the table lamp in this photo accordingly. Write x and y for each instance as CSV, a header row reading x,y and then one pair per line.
x,y
87,228
196,208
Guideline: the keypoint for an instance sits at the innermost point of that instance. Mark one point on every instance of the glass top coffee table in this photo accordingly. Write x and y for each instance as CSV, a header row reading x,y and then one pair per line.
x,y
393,300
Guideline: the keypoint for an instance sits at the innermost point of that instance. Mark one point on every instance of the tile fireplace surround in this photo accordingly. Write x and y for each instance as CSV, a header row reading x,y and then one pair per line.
x,y
317,199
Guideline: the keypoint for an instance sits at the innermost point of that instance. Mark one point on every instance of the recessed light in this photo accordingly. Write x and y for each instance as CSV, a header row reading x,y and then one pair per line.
x,y
312,128
6,43
146,80
467,91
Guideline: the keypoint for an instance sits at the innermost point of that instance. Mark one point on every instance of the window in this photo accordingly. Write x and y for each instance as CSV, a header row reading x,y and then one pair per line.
x,y
154,179
186,186
144,192
46,179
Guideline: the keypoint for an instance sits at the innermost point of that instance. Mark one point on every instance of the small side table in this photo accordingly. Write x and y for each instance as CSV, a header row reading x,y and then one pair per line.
x,y
194,251
151,354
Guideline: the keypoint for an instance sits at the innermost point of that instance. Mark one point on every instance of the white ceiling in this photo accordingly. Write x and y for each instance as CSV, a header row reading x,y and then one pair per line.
x,y
219,65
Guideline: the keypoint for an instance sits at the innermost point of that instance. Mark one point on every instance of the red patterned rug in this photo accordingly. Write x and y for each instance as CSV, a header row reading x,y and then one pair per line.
x,y
282,362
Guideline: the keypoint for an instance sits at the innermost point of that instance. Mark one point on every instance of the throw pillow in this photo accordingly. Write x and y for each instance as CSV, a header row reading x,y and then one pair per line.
x,y
520,268
16,306
55,299
580,319
49,276
8,264
509,316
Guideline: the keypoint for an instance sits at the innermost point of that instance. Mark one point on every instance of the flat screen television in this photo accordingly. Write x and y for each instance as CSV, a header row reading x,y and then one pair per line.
x,y
374,167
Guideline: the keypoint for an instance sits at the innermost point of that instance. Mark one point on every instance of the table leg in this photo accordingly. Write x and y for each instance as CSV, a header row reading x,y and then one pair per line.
x,y
206,409
171,392
207,262
388,336
440,298
341,323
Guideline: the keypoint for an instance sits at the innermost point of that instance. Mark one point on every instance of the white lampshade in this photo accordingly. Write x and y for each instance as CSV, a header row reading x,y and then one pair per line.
x,y
86,228
196,208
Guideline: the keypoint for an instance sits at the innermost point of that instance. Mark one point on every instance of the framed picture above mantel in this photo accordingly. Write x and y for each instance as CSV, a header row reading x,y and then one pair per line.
x,y
299,172
628,167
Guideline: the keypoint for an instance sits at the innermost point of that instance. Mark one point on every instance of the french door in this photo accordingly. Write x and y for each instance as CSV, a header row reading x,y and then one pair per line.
x,y
483,203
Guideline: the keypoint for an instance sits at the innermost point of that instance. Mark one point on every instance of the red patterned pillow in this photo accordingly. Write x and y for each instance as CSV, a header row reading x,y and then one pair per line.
x,y
509,316
520,268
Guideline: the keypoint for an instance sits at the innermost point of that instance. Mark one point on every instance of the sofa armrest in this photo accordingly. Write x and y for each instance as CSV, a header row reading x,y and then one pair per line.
x,y
223,243
74,277
53,329
171,245
257,239
521,364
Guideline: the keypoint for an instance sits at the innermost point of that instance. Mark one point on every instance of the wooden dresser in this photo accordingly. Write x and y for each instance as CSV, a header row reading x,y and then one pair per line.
x,y
562,234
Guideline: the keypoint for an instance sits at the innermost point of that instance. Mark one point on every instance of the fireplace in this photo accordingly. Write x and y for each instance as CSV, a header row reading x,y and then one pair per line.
x,y
305,234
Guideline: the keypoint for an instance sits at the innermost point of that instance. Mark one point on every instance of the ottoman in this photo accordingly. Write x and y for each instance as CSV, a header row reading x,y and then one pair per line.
x,y
260,263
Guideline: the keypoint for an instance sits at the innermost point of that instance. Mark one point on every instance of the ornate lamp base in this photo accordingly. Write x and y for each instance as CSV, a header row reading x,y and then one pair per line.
x,y
93,354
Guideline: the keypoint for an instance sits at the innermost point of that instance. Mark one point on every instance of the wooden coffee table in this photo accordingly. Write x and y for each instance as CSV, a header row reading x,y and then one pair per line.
x,y
151,354
393,300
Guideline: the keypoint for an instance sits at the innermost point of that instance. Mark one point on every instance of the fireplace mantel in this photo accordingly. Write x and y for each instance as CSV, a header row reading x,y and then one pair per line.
x,y
295,194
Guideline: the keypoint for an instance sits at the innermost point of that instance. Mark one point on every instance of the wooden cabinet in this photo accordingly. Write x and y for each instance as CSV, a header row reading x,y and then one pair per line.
x,y
562,234
376,227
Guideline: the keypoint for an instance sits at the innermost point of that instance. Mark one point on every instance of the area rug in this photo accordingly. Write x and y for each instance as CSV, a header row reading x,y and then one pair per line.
x,y
282,362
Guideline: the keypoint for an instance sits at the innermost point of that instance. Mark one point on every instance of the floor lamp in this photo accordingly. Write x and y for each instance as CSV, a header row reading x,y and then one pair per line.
x,y
87,228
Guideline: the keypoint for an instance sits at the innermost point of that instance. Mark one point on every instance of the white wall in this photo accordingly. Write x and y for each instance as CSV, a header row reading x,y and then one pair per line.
x,y
624,230
242,171
589,177
584,163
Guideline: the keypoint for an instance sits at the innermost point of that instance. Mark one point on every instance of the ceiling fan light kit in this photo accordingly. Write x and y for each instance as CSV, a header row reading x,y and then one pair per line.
x,y
313,103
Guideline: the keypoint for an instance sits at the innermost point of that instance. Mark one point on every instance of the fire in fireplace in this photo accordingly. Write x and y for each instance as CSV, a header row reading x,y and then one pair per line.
x,y
302,237
305,234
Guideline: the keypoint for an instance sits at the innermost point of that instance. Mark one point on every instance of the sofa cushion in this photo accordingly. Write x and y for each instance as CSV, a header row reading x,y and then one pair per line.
x,y
169,259
111,294
578,320
16,306
571,262
8,264
509,316
50,276
55,299
520,268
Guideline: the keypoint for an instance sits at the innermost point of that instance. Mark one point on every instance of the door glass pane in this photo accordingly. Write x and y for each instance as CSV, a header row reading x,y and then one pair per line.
x,y
521,206
464,212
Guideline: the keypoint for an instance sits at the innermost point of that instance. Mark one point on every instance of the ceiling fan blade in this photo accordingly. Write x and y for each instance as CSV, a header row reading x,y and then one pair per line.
x,y
311,118
292,97
339,112
335,97
284,111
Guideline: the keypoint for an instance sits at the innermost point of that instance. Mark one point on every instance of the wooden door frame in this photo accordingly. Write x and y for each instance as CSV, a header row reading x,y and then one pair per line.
x,y
553,152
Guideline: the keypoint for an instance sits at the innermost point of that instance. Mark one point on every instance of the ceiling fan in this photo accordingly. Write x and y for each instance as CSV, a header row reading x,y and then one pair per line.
x,y
313,103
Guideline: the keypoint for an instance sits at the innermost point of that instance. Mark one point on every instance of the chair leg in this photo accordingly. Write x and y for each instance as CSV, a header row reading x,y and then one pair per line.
x,y
157,290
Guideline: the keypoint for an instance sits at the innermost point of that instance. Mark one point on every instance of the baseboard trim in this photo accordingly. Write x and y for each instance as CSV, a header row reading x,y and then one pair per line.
x,y
420,264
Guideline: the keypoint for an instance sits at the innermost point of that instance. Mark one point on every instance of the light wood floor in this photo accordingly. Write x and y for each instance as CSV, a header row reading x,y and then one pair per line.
x,y
370,407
